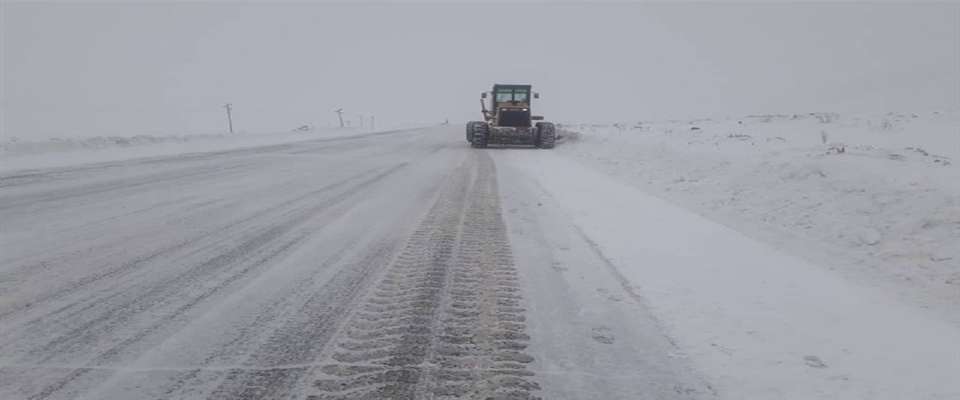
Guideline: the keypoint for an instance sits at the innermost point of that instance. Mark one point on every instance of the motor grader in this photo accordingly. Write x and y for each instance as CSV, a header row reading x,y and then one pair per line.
x,y
509,120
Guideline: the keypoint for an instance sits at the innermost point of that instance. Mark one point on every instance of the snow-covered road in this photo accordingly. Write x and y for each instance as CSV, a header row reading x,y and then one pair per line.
x,y
406,265
367,267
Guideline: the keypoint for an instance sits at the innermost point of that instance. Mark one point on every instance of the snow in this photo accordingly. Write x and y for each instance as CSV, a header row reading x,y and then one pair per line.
x,y
875,197
164,278
807,257
755,321
59,152
590,336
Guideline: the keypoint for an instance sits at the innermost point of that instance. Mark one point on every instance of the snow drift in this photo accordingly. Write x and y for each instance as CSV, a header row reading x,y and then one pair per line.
x,y
876,197
57,152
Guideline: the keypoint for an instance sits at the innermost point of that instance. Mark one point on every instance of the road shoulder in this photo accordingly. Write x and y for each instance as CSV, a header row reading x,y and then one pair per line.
x,y
756,322
591,335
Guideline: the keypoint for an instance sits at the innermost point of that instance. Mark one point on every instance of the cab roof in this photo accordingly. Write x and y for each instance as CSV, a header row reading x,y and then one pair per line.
x,y
498,86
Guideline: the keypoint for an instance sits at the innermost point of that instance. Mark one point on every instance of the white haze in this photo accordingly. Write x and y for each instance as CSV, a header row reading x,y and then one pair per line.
x,y
115,69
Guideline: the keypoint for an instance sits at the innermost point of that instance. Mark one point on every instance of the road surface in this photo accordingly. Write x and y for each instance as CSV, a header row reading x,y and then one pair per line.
x,y
399,265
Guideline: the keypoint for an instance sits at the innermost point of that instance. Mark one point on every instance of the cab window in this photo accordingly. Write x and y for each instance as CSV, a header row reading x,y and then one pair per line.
x,y
520,95
504,95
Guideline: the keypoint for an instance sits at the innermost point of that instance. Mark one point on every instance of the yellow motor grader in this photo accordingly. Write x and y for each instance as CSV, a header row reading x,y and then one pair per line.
x,y
509,120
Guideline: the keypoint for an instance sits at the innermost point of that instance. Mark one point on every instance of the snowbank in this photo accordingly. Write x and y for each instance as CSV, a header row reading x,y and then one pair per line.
x,y
756,322
876,197
58,152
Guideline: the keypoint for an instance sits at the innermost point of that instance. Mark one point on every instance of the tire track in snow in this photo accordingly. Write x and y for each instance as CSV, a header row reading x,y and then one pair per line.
x,y
225,268
49,198
446,320
211,238
299,341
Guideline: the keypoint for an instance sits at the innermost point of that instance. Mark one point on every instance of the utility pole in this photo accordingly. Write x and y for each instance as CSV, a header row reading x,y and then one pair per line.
x,y
339,112
229,107
373,124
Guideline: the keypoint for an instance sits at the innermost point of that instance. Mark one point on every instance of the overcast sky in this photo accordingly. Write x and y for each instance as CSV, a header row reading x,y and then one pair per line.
x,y
117,69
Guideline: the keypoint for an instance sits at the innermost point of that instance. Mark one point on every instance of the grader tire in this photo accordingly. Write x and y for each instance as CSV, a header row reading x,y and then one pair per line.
x,y
479,135
546,135
470,128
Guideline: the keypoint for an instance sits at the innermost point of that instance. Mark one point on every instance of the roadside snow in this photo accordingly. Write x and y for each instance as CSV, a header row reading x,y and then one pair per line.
x,y
875,197
756,322
58,152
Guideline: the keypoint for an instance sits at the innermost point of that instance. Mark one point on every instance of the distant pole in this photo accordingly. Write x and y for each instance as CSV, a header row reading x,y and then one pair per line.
x,y
339,112
373,123
229,108
361,121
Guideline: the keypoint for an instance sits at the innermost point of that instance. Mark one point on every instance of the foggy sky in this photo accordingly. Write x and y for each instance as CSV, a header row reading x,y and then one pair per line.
x,y
115,69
